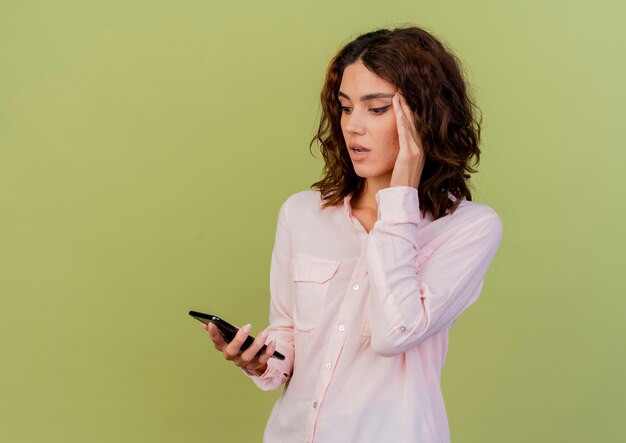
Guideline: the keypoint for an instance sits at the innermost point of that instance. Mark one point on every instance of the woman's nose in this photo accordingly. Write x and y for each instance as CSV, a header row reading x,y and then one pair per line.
x,y
355,123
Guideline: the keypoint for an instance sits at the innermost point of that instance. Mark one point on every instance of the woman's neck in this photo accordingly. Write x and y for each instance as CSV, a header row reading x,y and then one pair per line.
x,y
367,198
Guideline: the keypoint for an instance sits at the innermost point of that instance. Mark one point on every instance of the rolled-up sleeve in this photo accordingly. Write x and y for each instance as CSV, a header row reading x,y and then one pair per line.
x,y
420,290
281,322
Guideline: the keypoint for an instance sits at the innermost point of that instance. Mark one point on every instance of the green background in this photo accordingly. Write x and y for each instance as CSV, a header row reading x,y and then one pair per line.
x,y
146,146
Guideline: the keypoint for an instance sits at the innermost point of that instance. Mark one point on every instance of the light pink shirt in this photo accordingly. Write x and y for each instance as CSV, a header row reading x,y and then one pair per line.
x,y
363,318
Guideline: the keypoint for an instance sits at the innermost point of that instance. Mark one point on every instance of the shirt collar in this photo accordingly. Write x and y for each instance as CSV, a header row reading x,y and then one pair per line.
x,y
346,206
347,209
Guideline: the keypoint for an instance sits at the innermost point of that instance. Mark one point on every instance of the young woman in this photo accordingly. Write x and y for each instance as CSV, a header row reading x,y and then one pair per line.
x,y
371,268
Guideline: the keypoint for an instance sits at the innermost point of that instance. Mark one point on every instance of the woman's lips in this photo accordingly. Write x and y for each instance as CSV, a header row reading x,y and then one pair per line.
x,y
359,153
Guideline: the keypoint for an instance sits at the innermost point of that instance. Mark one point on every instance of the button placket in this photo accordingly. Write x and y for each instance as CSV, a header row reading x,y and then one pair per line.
x,y
337,340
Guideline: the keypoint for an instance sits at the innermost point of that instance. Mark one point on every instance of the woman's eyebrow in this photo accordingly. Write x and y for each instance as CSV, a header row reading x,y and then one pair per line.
x,y
369,96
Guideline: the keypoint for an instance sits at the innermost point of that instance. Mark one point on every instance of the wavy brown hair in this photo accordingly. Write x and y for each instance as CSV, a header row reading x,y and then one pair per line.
x,y
430,77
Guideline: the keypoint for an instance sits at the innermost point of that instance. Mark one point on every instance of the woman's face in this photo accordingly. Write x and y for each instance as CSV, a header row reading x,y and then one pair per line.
x,y
368,120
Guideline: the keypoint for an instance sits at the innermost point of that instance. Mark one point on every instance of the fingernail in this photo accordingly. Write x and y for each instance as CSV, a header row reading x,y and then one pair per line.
x,y
247,328
264,335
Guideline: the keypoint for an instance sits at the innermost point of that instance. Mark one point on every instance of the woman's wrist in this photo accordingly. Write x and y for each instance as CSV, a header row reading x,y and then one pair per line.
x,y
260,370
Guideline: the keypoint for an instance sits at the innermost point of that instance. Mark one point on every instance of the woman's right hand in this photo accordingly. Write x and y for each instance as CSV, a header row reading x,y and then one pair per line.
x,y
248,359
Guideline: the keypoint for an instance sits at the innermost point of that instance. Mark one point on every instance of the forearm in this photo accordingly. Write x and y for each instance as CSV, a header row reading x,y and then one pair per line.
x,y
417,291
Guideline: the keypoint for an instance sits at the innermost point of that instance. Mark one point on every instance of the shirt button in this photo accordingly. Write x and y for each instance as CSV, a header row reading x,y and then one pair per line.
x,y
315,404
342,328
402,328
328,365
355,287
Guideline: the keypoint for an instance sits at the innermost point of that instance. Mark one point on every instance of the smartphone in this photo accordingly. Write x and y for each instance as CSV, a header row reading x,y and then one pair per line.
x,y
229,331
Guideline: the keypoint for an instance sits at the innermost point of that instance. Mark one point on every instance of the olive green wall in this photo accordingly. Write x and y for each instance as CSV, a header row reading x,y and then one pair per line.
x,y
146,146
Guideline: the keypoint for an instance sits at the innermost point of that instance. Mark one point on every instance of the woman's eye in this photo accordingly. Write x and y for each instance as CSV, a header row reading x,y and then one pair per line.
x,y
380,110
377,111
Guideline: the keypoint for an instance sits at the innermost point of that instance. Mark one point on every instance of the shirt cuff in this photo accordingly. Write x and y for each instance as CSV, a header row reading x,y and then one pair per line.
x,y
272,378
398,204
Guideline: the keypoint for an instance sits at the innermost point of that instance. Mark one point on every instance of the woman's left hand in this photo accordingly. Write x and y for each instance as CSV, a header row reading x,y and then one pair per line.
x,y
410,161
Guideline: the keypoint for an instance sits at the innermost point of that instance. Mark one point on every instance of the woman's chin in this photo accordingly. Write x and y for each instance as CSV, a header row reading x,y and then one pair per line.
x,y
361,173
366,171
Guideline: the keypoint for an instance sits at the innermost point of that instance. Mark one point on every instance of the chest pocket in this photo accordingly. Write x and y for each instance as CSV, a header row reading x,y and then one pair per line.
x,y
311,278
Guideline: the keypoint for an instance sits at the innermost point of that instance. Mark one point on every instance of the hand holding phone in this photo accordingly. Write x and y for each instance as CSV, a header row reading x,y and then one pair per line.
x,y
237,345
